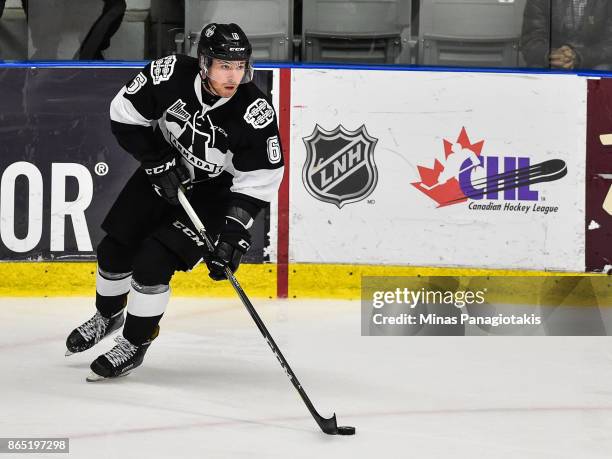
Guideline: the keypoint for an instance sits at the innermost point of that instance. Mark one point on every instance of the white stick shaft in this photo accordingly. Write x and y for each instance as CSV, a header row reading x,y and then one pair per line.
x,y
195,219
189,210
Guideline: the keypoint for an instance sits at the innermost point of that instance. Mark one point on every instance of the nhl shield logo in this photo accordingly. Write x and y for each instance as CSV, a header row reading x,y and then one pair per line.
x,y
340,165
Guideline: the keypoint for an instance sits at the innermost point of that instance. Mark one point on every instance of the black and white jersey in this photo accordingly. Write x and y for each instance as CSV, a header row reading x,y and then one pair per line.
x,y
165,107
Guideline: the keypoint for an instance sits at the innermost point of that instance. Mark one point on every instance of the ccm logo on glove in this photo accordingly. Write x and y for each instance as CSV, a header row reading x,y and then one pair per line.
x,y
162,168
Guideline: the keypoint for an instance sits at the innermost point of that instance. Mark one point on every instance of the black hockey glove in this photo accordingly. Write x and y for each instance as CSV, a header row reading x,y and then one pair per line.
x,y
234,242
228,252
166,175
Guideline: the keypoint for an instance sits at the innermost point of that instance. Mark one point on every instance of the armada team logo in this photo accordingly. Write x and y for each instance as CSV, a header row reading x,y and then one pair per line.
x,y
340,166
466,174
162,69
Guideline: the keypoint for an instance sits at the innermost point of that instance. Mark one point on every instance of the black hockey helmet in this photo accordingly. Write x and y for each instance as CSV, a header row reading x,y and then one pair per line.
x,y
227,42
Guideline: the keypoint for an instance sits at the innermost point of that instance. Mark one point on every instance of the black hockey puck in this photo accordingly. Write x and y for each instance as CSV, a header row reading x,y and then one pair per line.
x,y
346,430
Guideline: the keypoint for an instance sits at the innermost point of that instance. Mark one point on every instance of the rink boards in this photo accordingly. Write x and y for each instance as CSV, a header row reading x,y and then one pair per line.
x,y
391,170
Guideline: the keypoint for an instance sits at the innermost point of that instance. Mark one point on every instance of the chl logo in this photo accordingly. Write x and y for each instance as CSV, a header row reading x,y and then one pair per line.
x,y
340,166
467,174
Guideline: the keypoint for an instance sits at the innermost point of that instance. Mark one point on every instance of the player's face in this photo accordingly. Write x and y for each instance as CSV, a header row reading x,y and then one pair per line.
x,y
225,76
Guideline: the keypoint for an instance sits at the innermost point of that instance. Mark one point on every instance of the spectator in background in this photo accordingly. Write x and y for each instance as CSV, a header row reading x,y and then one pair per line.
x,y
49,22
46,21
574,34
99,36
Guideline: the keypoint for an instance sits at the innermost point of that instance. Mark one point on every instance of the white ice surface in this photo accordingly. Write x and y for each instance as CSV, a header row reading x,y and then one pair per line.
x,y
211,388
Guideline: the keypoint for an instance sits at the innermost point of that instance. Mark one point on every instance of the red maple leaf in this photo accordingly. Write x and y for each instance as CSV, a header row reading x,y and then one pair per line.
x,y
443,193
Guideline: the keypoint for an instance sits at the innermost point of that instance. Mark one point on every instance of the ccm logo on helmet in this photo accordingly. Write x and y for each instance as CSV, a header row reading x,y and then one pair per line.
x,y
236,49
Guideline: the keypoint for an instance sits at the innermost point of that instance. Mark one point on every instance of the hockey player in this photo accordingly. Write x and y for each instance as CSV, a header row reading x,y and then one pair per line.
x,y
196,123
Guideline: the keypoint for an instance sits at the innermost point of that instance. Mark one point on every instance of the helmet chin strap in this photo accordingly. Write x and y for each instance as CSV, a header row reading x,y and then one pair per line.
x,y
206,85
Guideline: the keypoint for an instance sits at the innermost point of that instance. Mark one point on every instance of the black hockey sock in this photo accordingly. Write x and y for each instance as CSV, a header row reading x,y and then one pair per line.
x,y
150,290
137,329
146,307
108,306
111,291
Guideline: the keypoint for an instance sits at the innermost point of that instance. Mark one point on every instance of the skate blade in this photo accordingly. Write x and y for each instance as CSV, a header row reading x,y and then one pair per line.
x,y
69,353
94,377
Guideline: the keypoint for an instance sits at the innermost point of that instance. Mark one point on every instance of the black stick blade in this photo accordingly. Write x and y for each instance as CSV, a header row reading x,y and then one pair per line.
x,y
330,426
327,425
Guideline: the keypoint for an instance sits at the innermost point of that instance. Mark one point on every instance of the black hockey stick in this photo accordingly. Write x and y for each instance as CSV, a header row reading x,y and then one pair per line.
x,y
327,425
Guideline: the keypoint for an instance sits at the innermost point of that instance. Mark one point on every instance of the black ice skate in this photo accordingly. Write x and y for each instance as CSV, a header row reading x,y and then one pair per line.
x,y
92,331
120,360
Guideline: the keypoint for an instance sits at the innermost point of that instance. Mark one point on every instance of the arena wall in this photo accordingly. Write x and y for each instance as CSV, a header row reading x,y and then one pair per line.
x,y
379,178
